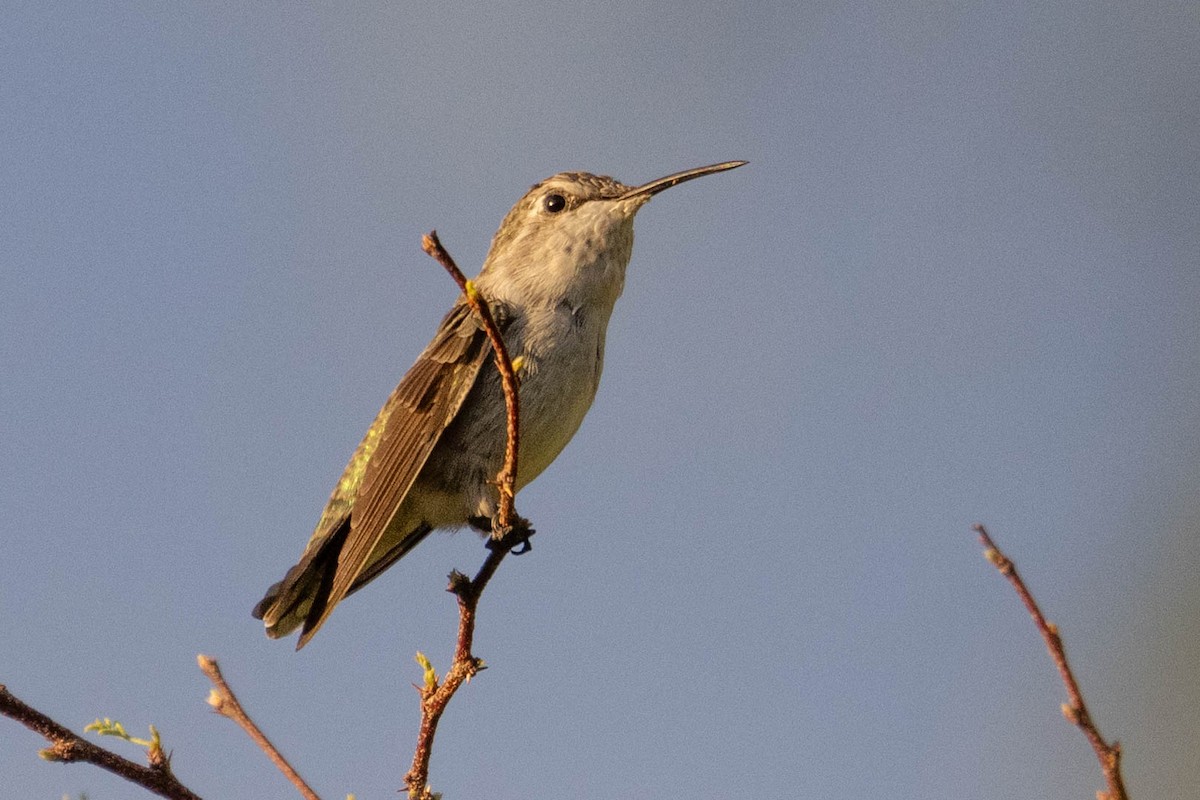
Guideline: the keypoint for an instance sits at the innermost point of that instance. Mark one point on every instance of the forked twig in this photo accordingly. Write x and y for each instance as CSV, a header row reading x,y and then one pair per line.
x,y
1075,710
69,747
507,530
225,703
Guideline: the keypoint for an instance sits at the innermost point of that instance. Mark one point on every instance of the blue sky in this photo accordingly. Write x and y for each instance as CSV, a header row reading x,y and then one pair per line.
x,y
959,281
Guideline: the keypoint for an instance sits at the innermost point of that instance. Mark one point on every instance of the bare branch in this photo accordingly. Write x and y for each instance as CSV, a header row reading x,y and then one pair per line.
x,y
508,530
68,747
225,703
1075,710
506,514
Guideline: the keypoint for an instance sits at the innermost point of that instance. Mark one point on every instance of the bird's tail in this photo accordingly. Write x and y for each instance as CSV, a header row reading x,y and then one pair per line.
x,y
303,596
288,603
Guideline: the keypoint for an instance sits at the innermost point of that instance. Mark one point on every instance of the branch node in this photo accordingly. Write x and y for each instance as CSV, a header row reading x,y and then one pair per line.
x,y
460,584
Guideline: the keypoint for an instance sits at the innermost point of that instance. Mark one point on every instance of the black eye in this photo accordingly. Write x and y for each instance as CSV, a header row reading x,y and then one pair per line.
x,y
554,203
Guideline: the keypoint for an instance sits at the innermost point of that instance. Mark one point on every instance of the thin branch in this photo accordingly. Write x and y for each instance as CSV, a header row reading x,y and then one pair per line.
x,y
506,514
225,702
68,747
1075,710
508,530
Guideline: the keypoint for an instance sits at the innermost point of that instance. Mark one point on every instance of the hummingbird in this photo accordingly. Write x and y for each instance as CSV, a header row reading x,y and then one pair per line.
x,y
554,271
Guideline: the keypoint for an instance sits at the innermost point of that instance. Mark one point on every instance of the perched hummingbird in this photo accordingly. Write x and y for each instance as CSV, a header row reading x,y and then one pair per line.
x,y
429,460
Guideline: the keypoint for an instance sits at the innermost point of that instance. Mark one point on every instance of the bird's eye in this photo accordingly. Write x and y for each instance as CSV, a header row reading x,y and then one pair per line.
x,y
554,203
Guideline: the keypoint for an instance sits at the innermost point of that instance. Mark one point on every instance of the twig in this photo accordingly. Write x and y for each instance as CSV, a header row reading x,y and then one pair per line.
x,y
68,747
506,513
508,529
1075,710
224,702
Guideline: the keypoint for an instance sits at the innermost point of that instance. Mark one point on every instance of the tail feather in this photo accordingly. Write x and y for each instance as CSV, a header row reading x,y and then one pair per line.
x,y
302,597
290,602
324,599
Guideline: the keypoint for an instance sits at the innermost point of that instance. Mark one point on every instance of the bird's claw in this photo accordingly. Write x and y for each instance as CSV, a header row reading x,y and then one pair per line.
x,y
513,538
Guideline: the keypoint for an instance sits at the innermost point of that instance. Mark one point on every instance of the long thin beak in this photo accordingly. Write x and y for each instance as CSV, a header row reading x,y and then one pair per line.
x,y
648,190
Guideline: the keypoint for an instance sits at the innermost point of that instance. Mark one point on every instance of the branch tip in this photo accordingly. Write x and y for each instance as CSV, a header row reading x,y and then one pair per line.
x,y
1075,710
225,702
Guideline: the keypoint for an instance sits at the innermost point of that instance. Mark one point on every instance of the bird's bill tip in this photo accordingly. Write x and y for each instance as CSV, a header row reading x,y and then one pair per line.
x,y
648,190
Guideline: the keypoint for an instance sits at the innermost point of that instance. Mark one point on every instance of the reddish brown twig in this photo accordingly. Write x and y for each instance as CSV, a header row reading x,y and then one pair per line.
x,y
507,529
1075,710
225,703
506,515
435,694
69,747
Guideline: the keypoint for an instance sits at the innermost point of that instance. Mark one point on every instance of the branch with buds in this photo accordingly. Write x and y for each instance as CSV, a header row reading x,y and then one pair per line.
x,y
68,747
1075,710
508,531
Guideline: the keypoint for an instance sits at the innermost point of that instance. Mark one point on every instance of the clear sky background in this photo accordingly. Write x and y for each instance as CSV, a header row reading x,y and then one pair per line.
x,y
959,281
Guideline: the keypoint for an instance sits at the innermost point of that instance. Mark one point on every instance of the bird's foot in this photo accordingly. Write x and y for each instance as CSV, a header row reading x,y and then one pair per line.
x,y
513,538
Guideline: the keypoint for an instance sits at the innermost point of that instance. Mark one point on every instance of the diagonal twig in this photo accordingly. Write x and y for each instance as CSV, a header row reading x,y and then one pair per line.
x,y
506,513
69,747
1075,710
225,703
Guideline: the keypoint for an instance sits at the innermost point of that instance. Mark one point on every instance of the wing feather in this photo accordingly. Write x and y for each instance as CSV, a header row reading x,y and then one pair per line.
x,y
397,447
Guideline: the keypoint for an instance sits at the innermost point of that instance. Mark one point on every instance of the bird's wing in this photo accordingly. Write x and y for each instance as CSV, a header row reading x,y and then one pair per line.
x,y
395,449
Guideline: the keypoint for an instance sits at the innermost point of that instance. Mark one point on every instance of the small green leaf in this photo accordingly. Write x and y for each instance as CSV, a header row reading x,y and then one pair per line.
x,y
108,727
431,678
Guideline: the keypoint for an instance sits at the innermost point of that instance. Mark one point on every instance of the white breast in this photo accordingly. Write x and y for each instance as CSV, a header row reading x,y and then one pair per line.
x,y
559,377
